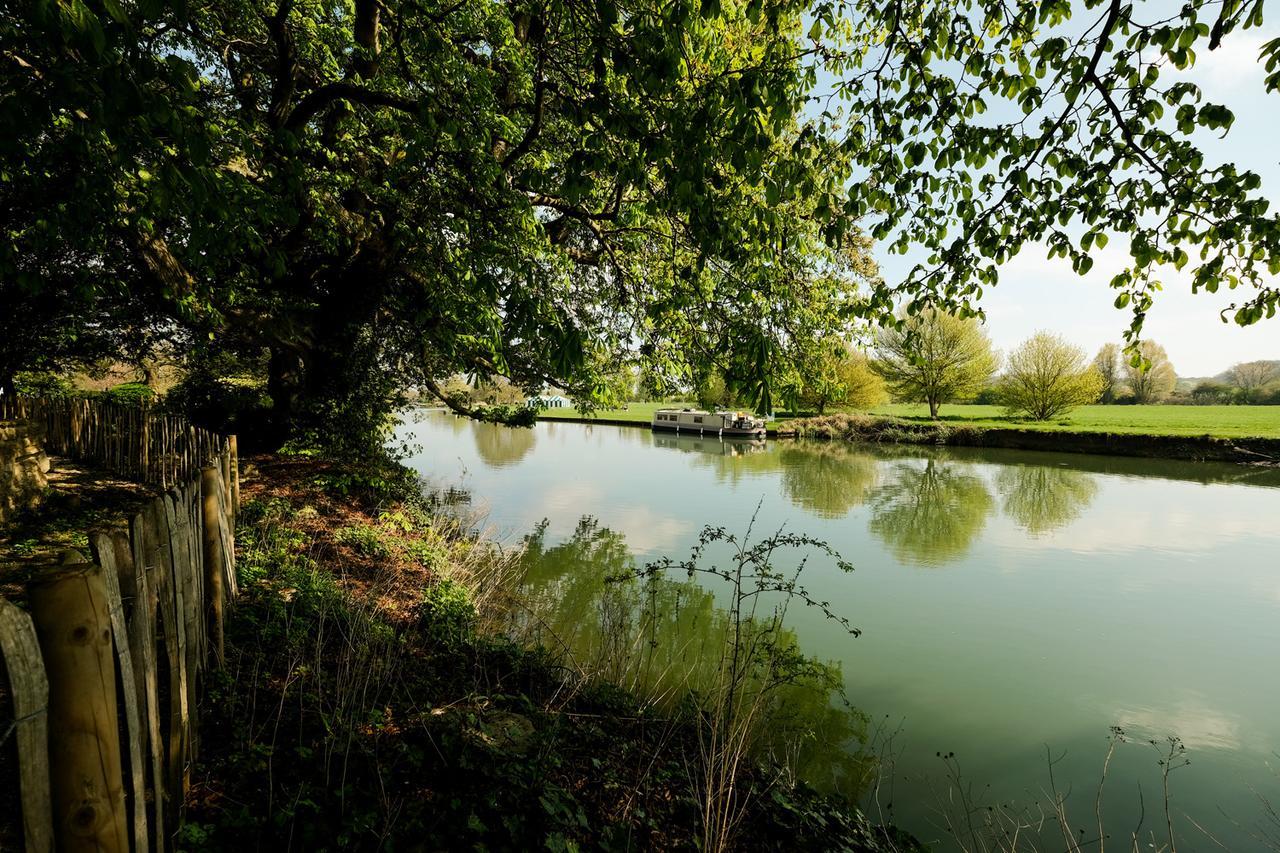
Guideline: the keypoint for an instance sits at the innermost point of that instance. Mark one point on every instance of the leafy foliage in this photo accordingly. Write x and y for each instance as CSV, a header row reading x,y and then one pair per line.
x,y
1046,377
372,198
840,376
130,394
986,129
935,357
377,198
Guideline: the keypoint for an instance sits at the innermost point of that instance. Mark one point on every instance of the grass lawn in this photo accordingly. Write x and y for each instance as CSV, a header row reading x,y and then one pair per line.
x,y
1225,421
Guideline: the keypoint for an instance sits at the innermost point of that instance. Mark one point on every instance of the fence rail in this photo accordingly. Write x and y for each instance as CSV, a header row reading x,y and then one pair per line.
x,y
105,671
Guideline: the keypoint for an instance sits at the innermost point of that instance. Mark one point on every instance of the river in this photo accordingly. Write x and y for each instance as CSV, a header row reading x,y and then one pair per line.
x,y
1013,606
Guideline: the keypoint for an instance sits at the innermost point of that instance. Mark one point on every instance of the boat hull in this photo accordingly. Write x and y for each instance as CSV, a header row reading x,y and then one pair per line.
x,y
726,432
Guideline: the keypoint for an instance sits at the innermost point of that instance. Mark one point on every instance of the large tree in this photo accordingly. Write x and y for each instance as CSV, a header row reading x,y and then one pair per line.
x,y
1150,374
1251,377
839,374
1108,364
380,193
410,190
934,357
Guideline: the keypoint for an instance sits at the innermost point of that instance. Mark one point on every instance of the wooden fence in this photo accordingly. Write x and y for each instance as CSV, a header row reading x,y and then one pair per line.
x,y
133,441
106,669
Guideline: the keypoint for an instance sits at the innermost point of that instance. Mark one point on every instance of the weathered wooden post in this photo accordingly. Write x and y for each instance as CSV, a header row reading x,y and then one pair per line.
x,y
73,622
211,535
30,689
235,476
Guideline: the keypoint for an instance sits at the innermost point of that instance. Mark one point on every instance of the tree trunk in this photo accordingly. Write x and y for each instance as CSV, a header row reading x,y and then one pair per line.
x,y
284,384
933,409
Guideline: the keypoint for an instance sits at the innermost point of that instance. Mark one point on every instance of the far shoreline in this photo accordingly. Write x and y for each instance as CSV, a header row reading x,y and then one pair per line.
x,y
880,429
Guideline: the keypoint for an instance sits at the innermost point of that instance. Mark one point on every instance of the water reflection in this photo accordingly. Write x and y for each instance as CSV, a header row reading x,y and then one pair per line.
x,y
1041,499
930,511
828,480
501,446
662,637
715,445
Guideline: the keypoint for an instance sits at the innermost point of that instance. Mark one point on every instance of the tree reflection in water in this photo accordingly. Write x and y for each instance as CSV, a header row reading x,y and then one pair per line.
x,y
500,446
828,479
1041,498
663,639
930,511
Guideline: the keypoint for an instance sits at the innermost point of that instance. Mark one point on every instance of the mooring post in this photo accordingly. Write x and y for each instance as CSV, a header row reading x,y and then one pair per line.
x,y
210,500
73,623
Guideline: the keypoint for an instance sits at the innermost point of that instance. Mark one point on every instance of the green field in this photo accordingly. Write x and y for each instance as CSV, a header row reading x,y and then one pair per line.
x,y
1223,421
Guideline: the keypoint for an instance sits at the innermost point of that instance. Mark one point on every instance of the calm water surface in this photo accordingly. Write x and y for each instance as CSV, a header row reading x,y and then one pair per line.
x,y
1014,606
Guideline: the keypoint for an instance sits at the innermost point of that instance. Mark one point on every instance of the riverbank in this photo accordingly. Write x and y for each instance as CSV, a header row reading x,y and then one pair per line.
x,y
372,701
878,429
988,429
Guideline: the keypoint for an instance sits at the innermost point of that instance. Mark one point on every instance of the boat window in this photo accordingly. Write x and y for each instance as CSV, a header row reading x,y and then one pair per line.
x,y
697,419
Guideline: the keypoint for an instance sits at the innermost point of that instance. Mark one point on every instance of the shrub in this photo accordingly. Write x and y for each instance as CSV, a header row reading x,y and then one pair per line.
x,y
447,611
129,394
225,403
42,384
1210,392
1047,376
366,540
989,396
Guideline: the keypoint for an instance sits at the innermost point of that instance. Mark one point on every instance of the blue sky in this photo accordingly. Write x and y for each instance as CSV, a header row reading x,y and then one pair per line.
x,y
1036,293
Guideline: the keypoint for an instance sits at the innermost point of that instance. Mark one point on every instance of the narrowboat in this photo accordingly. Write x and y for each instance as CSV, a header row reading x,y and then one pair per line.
x,y
696,421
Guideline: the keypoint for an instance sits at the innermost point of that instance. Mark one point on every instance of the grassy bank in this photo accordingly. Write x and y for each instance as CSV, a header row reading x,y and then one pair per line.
x,y
883,429
1222,433
1216,421
372,701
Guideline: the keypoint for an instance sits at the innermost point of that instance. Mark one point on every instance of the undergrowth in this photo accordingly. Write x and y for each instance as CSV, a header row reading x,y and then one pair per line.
x,y
367,703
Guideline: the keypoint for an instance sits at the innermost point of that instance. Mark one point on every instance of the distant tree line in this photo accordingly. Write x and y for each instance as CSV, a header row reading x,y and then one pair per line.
x,y
934,358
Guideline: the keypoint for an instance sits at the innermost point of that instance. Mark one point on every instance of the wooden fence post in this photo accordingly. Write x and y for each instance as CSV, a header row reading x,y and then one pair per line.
x,y
235,477
212,539
21,653
73,622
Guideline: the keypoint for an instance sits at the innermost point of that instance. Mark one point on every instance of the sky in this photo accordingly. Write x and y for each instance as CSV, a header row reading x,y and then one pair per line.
x,y
1038,294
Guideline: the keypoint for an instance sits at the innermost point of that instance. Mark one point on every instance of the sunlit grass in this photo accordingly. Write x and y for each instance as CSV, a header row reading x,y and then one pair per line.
x,y
1223,421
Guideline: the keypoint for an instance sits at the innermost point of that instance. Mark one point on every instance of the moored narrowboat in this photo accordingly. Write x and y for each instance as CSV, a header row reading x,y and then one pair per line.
x,y
699,422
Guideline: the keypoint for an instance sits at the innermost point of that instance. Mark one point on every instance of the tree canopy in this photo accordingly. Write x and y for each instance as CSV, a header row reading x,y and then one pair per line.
x,y
529,190
934,357
986,129
372,195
